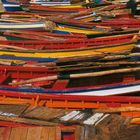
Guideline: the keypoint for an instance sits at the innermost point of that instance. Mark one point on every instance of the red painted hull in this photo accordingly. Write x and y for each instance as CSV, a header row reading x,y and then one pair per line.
x,y
70,43
62,84
51,9
120,23
20,72
40,35
104,99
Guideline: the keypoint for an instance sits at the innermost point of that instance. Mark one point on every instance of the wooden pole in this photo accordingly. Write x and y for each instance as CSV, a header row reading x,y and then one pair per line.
x,y
81,75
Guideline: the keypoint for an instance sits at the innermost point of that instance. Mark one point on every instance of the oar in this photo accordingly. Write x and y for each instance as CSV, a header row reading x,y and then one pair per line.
x,y
81,75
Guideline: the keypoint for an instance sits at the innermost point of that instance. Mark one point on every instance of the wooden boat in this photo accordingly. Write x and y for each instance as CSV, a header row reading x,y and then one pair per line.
x,y
122,23
65,44
48,25
68,101
23,26
121,31
11,5
69,29
51,3
25,54
67,9
92,17
38,35
91,84
119,23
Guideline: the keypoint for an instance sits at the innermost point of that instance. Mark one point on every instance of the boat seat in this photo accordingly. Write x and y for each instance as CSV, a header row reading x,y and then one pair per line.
x,y
60,84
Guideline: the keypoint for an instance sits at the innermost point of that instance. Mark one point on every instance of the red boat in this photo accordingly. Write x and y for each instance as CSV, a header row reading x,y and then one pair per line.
x,y
45,81
71,43
67,101
51,9
121,23
115,23
40,35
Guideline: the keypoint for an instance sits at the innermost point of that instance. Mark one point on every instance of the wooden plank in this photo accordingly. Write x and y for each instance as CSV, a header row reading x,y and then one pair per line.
x,y
6,134
26,121
79,133
18,133
58,133
44,113
34,133
15,134
44,133
12,110
1,133
23,134
52,133
2,129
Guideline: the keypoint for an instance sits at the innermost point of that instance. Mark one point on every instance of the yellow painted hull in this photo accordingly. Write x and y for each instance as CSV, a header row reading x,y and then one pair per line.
x,y
70,53
75,30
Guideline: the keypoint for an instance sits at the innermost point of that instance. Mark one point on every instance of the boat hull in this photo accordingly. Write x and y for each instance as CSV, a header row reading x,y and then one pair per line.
x,y
64,54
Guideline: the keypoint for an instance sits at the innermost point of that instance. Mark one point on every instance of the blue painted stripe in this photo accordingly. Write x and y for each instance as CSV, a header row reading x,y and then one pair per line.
x,y
12,8
16,5
60,32
38,59
39,90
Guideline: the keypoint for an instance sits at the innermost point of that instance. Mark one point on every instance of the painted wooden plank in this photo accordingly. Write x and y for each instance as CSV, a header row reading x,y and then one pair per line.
x,y
1,133
15,134
79,133
6,134
12,110
34,133
94,118
26,121
44,113
18,133
52,133
44,133
58,133
24,133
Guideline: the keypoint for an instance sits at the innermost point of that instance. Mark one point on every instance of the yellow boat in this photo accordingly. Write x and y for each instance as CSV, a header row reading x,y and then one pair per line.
x,y
77,30
70,53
